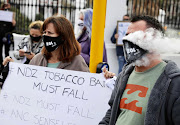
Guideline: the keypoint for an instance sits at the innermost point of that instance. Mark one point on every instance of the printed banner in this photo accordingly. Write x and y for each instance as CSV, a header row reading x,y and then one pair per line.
x,y
34,95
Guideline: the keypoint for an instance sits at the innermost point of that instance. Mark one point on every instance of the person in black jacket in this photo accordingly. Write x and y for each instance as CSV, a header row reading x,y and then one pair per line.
x,y
5,31
119,49
147,91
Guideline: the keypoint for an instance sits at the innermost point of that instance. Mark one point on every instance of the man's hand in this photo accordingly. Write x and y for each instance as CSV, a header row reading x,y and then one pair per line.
x,y
108,74
116,35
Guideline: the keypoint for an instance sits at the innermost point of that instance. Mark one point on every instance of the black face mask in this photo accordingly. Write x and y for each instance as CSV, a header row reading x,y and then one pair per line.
x,y
36,39
6,9
132,52
125,19
52,43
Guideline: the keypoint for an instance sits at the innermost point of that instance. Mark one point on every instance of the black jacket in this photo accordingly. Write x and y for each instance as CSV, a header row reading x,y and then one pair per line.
x,y
164,101
5,27
119,49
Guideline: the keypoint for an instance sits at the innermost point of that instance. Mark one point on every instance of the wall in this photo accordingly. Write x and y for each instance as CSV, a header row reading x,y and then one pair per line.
x,y
115,10
173,57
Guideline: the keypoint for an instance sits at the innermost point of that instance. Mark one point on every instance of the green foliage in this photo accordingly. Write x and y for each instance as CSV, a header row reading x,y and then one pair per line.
x,y
39,17
22,22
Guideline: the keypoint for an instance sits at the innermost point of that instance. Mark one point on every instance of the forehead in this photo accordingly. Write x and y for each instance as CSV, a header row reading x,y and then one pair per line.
x,y
50,26
137,26
34,31
125,17
81,16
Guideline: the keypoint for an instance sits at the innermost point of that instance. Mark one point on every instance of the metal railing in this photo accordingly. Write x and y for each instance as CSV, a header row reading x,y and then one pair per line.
x,y
26,11
166,11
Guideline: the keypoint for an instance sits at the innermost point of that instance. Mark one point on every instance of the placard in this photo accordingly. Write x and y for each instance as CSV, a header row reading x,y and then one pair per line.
x,y
6,16
34,95
122,27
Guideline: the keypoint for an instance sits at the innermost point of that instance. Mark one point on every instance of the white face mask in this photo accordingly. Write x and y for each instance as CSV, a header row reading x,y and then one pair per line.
x,y
80,27
80,24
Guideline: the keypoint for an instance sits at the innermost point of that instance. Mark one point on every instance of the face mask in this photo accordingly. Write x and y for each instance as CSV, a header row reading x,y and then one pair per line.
x,y
80,24
125,19
80,27
6,9
132,52
36,39
52,43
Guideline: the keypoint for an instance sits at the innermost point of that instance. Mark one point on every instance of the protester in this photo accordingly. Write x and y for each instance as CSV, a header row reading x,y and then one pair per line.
x,y
147,91
119,49
84,34
61,50
6,29
31,45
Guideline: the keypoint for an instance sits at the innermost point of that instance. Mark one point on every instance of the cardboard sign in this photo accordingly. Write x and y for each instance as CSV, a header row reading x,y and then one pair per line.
x,y
121,30
34,95
6,16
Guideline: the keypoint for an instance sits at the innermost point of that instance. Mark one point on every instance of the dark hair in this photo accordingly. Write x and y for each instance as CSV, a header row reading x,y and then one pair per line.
x,y
151,22
126,15
70,48
4,5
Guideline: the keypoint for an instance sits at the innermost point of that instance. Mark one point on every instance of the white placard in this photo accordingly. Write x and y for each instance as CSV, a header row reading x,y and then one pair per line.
x,y
17,39
34,95
122,29
6,16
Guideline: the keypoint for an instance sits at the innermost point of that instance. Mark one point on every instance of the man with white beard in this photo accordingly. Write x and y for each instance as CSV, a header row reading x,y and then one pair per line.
x,y
147,91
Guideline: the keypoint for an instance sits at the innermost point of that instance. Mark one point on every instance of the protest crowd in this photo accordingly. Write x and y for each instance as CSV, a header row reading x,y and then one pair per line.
x,y
145,92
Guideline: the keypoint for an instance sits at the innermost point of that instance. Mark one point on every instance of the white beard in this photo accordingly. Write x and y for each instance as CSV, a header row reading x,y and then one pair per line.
x,y
147,59
144,61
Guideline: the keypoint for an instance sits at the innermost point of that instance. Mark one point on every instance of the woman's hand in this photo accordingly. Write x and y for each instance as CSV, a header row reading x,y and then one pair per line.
x,y
21,52
29,56
108,74
7,59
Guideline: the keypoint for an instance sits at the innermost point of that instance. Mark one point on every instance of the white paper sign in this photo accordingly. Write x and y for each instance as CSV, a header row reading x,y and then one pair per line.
x,y
122,29
34,95
6,16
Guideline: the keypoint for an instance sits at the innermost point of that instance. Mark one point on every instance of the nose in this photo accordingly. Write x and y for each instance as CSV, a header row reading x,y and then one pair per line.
x,y
129,31
45,33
